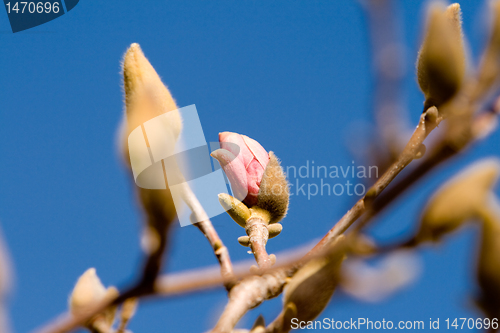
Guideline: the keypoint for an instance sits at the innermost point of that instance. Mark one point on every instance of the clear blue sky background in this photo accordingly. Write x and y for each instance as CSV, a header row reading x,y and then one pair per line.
x,y
294,75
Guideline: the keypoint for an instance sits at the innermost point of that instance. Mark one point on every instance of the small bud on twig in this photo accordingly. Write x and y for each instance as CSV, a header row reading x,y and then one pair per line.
x,y
489,68
258,179
147,98
274,229
259,326
312,286
459,200
244,241
441,59
488,268
88,292
235,208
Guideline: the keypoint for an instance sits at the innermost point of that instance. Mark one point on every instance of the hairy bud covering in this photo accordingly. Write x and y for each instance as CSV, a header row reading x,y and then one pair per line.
x,y
441,59
88,292
274,193
146,97
459,200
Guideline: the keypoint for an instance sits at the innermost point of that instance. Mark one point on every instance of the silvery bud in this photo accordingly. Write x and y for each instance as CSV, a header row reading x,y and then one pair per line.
x,y
87,293
441,59
461,199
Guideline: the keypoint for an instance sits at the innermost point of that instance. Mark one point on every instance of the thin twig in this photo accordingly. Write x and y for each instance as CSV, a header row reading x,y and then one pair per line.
x,y
175,284
428,121
248,295
67,322
220,251
256,229
209,277
207,228
388,63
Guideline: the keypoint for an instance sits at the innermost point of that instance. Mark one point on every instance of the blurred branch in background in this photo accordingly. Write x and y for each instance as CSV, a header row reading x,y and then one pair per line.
x,y
5,285
389,69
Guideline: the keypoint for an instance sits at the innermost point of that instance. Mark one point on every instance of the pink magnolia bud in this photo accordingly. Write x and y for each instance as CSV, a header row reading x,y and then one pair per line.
x,y
244,161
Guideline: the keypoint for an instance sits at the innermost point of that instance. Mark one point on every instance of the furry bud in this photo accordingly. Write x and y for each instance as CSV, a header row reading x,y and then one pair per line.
x,y
489,69
244,241
441,59
238,211
459,200
274,229
88,292
259,326
488,269
272,258
274,192
142,86
146,97
311,288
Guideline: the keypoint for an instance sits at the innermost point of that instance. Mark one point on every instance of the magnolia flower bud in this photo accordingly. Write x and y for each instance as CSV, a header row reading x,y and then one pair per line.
x,y
311,288
88,292
489,69
259,326
255,176
461,199
441,59
244,161
488,269
146,97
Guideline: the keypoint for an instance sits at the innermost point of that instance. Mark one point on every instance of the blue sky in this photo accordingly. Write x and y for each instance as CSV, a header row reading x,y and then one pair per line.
x,y
294,75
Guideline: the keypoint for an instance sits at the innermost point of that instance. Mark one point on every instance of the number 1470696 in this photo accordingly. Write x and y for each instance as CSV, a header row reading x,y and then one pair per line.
x,y
471,323
32,7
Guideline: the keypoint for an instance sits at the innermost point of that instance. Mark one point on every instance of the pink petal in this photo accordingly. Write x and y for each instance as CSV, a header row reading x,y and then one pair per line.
x,y
257,150
234,143
225,136
254,172
235,171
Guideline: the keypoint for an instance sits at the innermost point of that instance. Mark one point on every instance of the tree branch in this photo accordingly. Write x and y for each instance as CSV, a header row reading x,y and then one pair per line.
x,y
248,295
429,120
256,229
207,228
